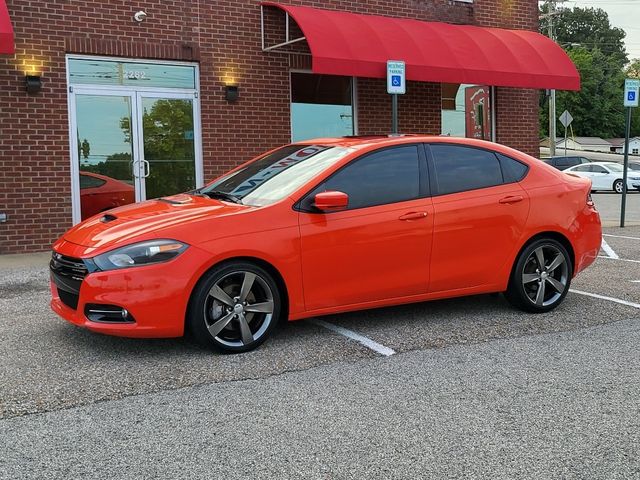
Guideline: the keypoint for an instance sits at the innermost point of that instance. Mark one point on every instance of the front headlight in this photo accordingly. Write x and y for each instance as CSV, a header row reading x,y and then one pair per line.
x,y
138,254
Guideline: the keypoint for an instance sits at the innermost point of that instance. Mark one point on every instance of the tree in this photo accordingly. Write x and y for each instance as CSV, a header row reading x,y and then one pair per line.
x,y
590,28
597,107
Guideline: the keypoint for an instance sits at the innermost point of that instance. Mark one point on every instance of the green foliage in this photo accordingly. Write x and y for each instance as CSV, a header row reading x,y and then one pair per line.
x,y
589,27
597,107
598,51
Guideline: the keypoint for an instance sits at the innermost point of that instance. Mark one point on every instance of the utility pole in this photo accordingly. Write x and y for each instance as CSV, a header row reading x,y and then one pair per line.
x,y
552,93
551,5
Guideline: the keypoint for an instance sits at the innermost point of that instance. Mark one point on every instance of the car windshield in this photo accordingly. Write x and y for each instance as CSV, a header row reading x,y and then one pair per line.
x,y
614,167
275,175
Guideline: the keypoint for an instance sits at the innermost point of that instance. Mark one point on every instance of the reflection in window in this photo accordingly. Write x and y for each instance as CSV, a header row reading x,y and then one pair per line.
x,y
321,106
466,111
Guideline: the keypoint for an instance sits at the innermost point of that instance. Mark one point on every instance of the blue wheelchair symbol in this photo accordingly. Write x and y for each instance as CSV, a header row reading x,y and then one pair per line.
x,y
395,80
631,96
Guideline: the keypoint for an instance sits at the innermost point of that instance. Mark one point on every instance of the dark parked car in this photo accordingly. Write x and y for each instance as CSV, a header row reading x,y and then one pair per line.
x,y
562,163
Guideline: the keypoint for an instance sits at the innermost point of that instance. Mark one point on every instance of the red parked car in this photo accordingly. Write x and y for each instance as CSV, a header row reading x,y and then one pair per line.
x,y
329,226
99,193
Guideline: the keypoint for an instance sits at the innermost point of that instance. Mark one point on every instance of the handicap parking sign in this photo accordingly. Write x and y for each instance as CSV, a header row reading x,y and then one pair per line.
x,y
631,89
396,78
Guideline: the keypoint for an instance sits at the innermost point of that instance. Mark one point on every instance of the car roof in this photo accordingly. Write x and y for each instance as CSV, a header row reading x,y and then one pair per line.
x,y
363,142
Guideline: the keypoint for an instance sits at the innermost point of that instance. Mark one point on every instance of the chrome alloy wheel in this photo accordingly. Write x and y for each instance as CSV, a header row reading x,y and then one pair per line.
x,y
239,309
545,275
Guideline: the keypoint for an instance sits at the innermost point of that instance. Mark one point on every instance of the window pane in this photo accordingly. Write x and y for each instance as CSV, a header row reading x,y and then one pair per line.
x,y
513,170
466,111
383,177
109,72
460,168
321,106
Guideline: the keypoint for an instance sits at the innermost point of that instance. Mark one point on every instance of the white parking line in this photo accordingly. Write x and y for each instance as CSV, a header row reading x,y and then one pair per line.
x,y
620,236
609,299
619,259
608,250
367,342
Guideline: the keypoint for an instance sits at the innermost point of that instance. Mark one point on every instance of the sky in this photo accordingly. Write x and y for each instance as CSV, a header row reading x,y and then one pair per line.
x,y
623,14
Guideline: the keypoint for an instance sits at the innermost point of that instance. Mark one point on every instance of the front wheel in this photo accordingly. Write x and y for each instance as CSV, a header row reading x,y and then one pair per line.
x,y
618,186
541,277
234,308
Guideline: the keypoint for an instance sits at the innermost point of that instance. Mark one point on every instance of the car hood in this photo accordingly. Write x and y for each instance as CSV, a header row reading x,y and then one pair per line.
x,y
141,221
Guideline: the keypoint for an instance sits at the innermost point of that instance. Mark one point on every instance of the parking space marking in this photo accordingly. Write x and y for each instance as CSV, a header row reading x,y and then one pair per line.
x,y
620,236
604,297
367,342
608,250
619,259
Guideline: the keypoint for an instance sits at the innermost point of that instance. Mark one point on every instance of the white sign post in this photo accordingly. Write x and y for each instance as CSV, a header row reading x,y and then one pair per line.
x,y
565,120
396,85
631,92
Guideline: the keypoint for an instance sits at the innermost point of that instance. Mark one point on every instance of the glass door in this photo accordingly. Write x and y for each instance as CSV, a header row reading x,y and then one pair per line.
x,y
106,167
167,143
130,146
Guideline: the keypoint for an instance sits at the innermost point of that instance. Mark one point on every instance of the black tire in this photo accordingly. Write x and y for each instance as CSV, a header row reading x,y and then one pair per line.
x,y
618,186
228,313
527,278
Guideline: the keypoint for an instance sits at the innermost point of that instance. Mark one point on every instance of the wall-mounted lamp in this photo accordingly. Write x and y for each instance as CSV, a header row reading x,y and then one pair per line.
x,y
33,83
231,93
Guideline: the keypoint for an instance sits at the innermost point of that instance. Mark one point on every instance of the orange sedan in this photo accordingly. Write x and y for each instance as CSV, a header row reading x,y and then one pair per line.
x,y
328,226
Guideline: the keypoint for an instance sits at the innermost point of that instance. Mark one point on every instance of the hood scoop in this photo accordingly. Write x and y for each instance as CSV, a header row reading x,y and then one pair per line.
x,y
107,217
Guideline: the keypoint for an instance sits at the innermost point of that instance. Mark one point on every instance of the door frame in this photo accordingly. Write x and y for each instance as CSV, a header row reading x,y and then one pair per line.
x,y
134,93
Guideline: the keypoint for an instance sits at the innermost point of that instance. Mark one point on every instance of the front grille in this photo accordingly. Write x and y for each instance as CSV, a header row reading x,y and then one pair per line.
x,y
67,274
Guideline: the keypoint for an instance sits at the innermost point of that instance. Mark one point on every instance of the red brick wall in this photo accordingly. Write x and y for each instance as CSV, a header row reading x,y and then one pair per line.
x,y
224,36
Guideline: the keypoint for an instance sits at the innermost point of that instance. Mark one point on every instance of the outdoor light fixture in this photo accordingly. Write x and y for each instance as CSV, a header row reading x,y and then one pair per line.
x,y
231,93
33,83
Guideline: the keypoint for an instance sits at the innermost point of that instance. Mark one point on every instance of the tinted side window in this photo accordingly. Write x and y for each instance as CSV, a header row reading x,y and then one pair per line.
x,y
584,160
563,162
461,168
598,169
582,168
513,170
388,176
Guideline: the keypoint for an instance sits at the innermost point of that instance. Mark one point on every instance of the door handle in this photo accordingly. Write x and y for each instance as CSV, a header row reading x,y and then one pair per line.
x,y
145,163
413,216
512,199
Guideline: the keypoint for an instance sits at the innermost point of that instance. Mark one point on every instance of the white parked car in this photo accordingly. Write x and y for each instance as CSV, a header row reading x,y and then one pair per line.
x,y
606,176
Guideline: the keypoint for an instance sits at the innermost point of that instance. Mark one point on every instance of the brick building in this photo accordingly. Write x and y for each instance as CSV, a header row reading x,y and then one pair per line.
x,y
122,108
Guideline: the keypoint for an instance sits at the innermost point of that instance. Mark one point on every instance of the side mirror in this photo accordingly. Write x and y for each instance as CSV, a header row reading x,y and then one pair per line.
x,y
331,201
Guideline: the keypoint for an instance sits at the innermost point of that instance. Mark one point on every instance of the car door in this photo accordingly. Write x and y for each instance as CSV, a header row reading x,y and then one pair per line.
x,y
581,171
480,214
378,248
601,178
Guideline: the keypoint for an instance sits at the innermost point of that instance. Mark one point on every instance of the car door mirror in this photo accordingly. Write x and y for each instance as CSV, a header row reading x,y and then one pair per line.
x,y
331,201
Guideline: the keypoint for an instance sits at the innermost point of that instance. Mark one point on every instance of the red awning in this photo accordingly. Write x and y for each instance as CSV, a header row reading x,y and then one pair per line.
x,y
6,30
344,43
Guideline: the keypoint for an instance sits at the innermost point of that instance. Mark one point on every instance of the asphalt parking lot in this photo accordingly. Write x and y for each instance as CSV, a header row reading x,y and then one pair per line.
x,y
462,388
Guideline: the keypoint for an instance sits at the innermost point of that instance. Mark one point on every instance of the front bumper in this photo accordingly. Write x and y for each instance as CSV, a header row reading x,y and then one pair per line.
x,y
156,296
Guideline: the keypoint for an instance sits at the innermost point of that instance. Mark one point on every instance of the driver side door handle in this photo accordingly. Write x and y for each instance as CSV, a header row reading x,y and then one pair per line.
x,y
413,216
511,199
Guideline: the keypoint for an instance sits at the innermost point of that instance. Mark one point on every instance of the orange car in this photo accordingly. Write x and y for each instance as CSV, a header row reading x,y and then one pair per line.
x,y
328,226
99,193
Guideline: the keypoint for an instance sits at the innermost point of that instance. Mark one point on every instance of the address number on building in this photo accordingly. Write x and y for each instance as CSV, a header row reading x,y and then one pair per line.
x,y
134,75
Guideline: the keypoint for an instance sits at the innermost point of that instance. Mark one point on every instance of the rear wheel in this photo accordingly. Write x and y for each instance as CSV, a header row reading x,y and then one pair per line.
x,y
541,277
234,308
618,186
